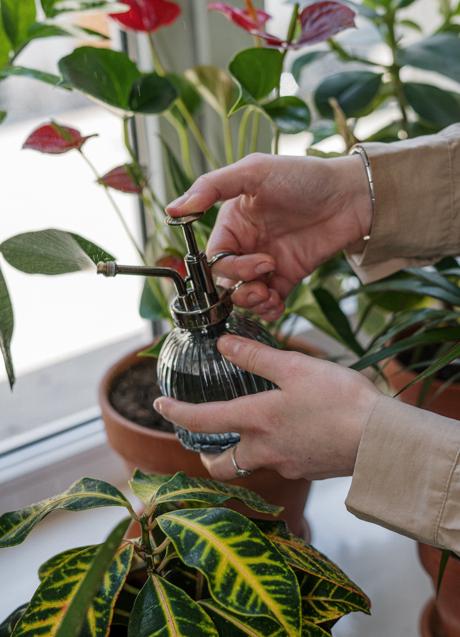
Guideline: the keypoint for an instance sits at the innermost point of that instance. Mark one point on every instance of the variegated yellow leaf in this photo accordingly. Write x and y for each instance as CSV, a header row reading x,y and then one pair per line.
x,y
230,625
145,486
77,594
87,493
245,572
164,610
182,488
312,630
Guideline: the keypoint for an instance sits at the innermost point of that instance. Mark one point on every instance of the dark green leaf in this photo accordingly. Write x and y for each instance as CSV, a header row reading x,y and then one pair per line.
x,y
440,335
154,350
231,625
151,94
408,286
305,60
18,16
410,24
6,48
87,493
35,74
234,555
432,369
290,114
258,73
61,602
162,609
187,92
52,252
433,104
6,328
53,8
439,52
337,319
153,301
179,179
445,555
322,129
40,30
3,115
7,626
353,90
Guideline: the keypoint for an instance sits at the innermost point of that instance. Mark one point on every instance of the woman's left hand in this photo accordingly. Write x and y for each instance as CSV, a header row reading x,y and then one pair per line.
x,y
308,428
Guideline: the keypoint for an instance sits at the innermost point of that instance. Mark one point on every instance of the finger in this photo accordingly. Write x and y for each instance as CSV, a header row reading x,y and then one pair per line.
x,y
273,302
242,177
214,417
254,357
221,466
246,267
251,294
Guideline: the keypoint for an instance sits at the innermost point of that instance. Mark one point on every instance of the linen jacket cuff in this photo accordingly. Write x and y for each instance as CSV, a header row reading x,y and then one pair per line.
x,y
407,474
416,218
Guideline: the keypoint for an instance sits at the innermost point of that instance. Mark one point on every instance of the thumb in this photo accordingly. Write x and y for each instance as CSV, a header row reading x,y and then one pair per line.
x,y
255,357
242,177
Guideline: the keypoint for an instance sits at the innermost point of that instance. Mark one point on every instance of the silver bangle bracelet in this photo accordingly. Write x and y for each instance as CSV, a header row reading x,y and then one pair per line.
x,y
359,150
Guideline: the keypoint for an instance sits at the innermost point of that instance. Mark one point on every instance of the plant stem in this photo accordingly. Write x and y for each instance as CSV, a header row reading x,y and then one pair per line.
x,y
115,207
228,140
254,132
242,132
182,107
395,69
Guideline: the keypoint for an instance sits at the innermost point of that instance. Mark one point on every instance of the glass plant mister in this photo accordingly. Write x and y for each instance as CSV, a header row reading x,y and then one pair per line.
x,y
190,368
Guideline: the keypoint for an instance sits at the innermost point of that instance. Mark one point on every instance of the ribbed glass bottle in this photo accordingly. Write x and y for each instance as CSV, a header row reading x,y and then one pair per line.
x,y
190,368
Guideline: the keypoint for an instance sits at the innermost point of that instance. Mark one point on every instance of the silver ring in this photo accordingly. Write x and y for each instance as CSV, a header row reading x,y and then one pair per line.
x,y
240,473
220,255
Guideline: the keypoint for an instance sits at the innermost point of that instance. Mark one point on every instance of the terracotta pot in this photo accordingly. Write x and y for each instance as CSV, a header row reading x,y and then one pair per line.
x,y
441,616
160,452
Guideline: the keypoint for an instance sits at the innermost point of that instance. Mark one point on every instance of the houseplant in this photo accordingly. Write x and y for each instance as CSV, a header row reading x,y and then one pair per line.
x,y
196,569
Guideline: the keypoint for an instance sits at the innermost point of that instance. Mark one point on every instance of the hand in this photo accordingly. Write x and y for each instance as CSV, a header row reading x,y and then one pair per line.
x,y
310,428
283,216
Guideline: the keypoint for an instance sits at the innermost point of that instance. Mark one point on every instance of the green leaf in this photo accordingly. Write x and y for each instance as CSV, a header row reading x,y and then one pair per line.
x,y
432,369
79,592
6,48
445,555
180,181
245,573
6,328
7,626
410,24
214,85
258,73
87,493
439,52
145,486
112,78
353,90
18,16
290,114
409,286
35,74
337,319
182,488
152,301
53,8
3,115
433,104
440,335
313,630
52,252
162,609
305,60
186,91
154,350
230,625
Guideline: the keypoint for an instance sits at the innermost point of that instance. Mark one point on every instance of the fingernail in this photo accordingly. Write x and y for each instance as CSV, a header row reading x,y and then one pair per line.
x,y
253,298
187,203
264,268
158,405
228,345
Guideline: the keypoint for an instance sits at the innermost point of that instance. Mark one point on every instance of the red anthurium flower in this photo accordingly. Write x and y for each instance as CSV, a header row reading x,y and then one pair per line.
x,y
319,22
174,262
123,178
147,15
55,139
322,20
251,20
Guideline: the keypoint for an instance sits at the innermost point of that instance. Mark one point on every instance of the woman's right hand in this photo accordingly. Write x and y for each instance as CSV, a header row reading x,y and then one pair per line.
x,y
282,217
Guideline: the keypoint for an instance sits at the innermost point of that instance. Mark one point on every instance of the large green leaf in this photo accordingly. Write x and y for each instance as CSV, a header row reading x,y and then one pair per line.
x,y
258,73
433,104
6,328
5,45
87,493
440,335
53,8
162,609
77,596
8,624
35,74
182,488
353,90
337,319
230,625
409,286
305,60
439,52
52,252
145,486
18,16
214,85
114,79
152,303
289,114
244,571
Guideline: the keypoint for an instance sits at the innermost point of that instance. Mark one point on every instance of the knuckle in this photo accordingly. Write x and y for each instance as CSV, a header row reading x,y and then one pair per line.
x,y
254,160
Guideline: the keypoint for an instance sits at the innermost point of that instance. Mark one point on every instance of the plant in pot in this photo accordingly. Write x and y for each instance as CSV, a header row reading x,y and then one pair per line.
x,y
244,108
197,568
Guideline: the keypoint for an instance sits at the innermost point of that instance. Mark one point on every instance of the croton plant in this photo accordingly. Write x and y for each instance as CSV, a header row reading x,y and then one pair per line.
x,y
197,569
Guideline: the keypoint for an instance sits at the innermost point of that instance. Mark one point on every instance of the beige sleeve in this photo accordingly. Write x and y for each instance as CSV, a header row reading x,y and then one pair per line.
x,y
417,209
407,474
